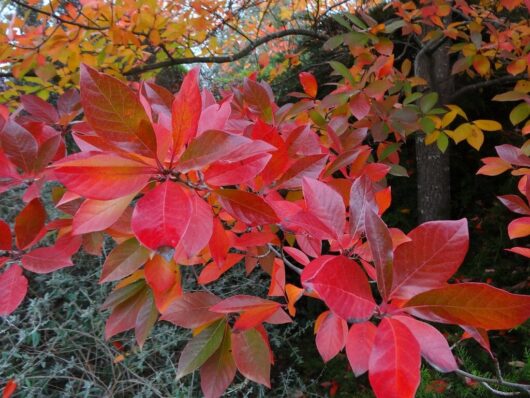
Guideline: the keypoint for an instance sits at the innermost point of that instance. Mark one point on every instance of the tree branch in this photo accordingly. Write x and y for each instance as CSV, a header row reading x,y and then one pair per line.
x,y
221,59
58,18
287,262
484,84
525,388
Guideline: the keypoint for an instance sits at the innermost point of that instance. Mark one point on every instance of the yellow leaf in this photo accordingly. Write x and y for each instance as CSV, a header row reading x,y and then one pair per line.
x,y
461,132
432,137
458,110
448,118
488,125
476,138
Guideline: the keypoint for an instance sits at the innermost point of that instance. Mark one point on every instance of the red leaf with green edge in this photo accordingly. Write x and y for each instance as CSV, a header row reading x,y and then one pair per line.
x,y
97,215
472,304
325,204
123,316
186,110
515,203
309,83
123,260
359,346
120,295
436,250
160,274
192,310
309,166
40,110
145,320
252,356
219,370
362,198
258,99
102,176
433,345
519,228
6,241
172,215
201,347
246,207
233,173
380,241
214,146
331,336
29,224
343,286
114,111
19,145
14,287
394,364
49,151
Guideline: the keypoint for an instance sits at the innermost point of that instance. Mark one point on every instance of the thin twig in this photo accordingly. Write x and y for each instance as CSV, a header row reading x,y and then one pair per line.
x,y
287,262
525,388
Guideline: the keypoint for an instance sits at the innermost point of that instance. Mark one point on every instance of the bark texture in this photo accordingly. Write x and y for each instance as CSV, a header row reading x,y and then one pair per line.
x,y
433,171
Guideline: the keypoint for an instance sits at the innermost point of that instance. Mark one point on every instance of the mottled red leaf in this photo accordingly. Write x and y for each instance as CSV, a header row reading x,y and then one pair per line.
x,y
191,310
14,287
359,346
331,336
252,356
246,207
29,224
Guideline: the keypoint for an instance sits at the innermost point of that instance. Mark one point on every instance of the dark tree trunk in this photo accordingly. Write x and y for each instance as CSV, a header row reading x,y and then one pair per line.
x,y
433,172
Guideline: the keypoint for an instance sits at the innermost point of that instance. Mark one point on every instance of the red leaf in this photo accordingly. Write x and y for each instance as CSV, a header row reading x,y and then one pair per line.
x,y
359,346
6,240
519,228
298,255
309,83
523,251
172,215
14,287
48,259
186,110
19,145
213,271
123,260
219,243
394,364
331,336
472,304
308,166
277,287
232,173
160,274
253,317
359,106
343,286
114,111
191,310
493,166
362,198
124,314
252,356
98,215
219,370
380,241
40,110
29,224
214,146
436,250
102,176
325,204
246,207
513,155
515,203
9,388
242,302
433,345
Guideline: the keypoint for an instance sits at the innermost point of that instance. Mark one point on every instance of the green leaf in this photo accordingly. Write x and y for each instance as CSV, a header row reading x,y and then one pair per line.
x,y
427,125
398,171
442,142
342,70
411,98
393,26
341,21
333,42
389,150
200,348
519,113
356,21
428,101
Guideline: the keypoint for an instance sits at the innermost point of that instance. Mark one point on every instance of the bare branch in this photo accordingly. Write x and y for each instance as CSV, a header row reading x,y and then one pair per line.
x,y
493,82
287,262
221,59
525,388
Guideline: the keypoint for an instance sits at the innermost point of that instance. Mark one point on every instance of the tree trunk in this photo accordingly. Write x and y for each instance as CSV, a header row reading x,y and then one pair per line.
x,y
433,172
